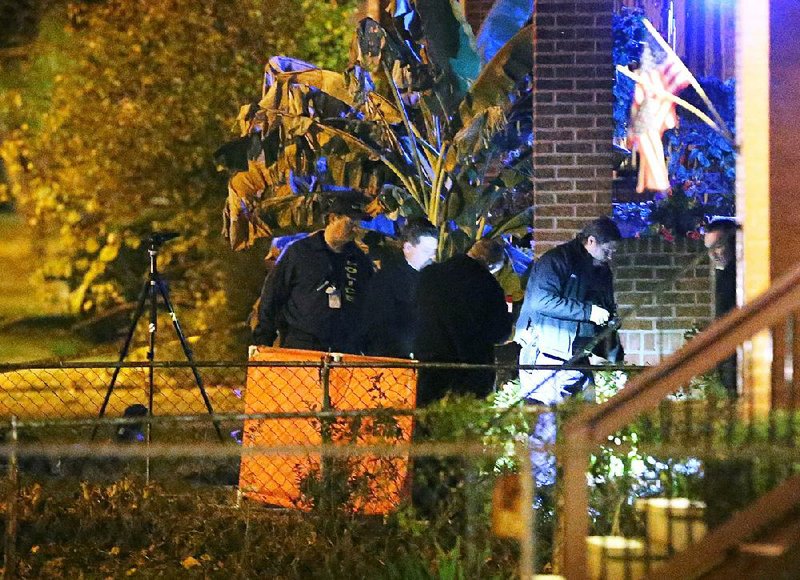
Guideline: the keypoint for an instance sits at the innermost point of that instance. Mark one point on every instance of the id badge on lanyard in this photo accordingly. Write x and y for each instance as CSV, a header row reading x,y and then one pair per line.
x,y
334,297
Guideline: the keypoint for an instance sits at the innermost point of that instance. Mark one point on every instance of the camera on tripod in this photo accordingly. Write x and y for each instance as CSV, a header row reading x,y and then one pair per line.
x,y
153,288
157,238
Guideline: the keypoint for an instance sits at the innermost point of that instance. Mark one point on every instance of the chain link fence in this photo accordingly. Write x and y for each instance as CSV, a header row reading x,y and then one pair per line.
x,y
327,446
325,465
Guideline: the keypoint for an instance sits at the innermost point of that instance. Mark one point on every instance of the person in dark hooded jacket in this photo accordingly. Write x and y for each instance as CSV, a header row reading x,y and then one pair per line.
x,y
462,316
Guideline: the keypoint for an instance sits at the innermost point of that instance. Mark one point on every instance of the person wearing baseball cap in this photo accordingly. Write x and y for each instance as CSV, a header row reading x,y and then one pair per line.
x,y
313,297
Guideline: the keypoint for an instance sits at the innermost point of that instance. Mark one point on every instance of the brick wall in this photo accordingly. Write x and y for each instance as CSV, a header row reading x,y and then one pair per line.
x,y
572,117
658,326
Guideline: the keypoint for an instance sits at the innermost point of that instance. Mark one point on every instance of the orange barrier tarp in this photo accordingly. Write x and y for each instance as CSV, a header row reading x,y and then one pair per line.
x,y
286,480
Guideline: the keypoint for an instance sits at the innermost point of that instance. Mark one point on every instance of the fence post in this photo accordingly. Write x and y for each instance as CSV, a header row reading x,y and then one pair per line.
x,y
325,377
10,544
325,423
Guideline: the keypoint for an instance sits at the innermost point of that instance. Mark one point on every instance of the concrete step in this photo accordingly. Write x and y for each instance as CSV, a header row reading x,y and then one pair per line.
x,y
612,557
673,524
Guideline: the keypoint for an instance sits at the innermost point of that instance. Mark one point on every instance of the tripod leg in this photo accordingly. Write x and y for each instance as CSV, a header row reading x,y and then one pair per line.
x,y
188,352
123,352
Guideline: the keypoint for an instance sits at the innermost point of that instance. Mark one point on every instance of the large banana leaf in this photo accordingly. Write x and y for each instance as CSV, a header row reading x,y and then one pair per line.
x,y
500,76
503,21
405,148
283,85
476,159
518,224
477,136
432,40
450,41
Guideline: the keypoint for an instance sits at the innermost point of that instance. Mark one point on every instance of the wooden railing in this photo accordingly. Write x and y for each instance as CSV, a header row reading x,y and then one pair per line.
x,y
772,310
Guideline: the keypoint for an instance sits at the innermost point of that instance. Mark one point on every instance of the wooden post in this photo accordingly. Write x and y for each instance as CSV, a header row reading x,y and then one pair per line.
x,y
753,187
574,450
528,538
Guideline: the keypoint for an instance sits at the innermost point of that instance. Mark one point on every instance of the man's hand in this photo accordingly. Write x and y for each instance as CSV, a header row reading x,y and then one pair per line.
x,y
252,350
595,360
599,315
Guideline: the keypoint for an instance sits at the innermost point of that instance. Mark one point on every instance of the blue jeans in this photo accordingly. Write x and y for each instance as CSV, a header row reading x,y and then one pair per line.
x,y
549,387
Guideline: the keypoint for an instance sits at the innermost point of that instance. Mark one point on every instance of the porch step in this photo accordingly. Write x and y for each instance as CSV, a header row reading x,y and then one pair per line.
x,y
774,555
673,524
612,557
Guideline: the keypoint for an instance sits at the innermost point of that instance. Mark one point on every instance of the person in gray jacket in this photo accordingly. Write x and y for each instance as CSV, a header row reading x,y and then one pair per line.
x,y
569,300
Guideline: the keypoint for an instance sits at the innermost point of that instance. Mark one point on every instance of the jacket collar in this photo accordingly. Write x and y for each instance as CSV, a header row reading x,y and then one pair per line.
x,y
319,244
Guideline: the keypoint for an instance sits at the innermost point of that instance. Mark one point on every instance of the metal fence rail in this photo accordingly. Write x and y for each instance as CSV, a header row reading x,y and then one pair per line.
x,y
77,390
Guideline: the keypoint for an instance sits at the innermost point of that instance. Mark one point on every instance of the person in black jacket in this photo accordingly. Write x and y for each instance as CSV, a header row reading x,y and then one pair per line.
x,y
388,321
462,315
313,296
719,238
568,301
724,474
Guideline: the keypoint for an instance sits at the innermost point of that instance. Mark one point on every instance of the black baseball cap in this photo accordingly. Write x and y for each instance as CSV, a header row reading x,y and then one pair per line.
x,y
348,202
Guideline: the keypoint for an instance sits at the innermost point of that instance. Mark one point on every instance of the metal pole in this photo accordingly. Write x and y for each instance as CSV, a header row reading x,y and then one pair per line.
x,y
10,544
325,377
151,351
325,424
187,351
123,353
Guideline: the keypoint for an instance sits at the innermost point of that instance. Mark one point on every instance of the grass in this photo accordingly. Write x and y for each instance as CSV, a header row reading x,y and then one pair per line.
x,y
31,326
95,517
74,528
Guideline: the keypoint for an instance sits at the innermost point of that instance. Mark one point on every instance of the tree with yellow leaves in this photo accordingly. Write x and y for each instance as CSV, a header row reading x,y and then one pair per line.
x,y
123,147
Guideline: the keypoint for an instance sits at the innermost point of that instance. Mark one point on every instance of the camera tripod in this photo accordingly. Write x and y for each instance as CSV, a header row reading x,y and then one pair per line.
x,y
153,286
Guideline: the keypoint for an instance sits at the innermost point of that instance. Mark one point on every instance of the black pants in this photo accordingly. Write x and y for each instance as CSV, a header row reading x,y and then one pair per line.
x,y
434,384
298,339
727,374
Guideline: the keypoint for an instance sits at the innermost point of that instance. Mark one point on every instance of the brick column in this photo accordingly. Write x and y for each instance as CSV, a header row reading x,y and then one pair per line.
x,y
572,117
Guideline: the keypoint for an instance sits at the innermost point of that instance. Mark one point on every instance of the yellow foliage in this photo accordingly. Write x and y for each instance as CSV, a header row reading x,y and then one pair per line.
x,y
91,245
109,252
190,562
140,100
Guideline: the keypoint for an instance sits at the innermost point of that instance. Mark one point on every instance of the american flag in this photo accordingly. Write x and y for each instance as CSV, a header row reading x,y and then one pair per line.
x,y
661,75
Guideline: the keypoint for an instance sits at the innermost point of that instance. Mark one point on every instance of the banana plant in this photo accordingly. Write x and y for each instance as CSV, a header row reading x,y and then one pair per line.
x,y
504,19
415,124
